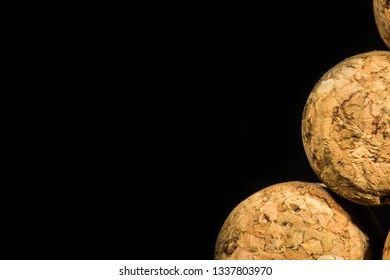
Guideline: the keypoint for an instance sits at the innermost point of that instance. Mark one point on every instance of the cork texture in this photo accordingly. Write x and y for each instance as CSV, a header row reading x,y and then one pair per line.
x,y
293,221
386,249
346,128
382,19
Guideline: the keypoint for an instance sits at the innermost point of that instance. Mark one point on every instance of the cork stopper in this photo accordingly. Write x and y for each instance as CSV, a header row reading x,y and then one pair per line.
x,y
346,128
382,19
292,221
386,248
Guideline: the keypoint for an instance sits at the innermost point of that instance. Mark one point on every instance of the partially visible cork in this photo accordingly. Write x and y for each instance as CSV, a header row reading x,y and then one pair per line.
x,y
346,128
386,249
292,221
382,19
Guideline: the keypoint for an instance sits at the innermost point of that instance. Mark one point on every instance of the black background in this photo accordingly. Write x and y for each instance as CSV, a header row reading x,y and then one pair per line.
x,y
165,122
232,126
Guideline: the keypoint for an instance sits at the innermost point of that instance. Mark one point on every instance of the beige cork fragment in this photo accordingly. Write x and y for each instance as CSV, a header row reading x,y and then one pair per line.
x,y
346,128
292,221
382,19
386,248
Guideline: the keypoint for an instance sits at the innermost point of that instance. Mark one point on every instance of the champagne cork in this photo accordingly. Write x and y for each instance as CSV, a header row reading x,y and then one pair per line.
x,y
346,128
291,221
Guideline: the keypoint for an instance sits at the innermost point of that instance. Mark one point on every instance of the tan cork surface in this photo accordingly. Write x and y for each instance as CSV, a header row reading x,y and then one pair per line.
x,y
386,249
293,221
346,128
382,19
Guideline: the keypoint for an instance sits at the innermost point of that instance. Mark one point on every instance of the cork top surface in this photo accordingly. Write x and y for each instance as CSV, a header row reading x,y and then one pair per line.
x,y
382,19
292,220
346,128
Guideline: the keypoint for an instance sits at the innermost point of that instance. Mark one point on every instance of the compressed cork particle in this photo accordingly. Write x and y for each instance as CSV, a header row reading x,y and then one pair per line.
x,y
386,248
346,128
292,221
382,19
